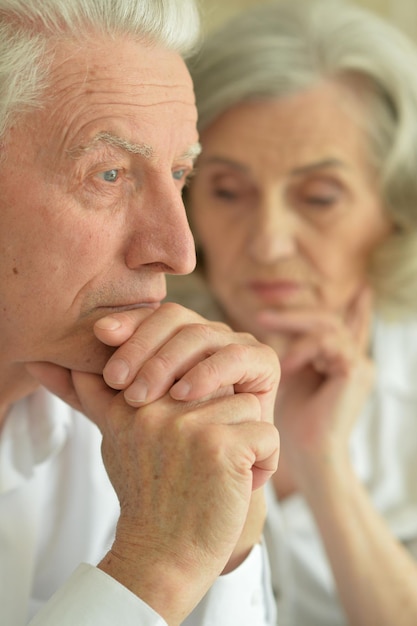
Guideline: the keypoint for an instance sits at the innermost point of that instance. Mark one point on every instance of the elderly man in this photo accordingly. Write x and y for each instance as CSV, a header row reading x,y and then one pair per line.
x,y
97,138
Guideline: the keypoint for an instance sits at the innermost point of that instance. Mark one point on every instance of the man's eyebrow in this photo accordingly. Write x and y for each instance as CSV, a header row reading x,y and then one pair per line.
x,y
112,140
141,149
192,152
312,167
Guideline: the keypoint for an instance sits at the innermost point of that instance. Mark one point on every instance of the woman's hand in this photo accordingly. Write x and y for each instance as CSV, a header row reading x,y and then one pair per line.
x,y
326,377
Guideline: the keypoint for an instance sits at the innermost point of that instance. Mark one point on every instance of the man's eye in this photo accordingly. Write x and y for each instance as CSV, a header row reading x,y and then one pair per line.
x,y
179,174
109,176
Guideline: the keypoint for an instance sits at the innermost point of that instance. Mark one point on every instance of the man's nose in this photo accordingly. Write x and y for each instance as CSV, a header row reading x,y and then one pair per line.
x,y
161,237
273,235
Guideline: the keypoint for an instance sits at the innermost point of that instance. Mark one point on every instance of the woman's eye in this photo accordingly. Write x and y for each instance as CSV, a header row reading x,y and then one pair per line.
x,y
321,200
225,194
109,176
321,194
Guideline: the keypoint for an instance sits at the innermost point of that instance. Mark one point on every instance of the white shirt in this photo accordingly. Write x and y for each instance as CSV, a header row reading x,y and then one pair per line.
x,y
384,455
58,513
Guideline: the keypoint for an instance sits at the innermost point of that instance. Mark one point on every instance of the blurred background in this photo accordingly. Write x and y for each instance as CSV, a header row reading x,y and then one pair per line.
x,y
191,290
403,13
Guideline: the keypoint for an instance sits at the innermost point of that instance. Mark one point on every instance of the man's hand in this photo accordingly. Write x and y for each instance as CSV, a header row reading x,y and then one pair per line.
x,y
184,474
183,467
176,350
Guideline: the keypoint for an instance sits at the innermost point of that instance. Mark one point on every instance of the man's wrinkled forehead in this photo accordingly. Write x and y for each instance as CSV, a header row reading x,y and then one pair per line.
x,y
129,66
92,91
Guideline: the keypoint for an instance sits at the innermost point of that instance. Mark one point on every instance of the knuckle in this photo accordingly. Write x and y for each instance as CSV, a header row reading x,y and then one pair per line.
x,y
201,329
209,370
157,366
138,344
213,440
222,327
248,338
207,334
238,350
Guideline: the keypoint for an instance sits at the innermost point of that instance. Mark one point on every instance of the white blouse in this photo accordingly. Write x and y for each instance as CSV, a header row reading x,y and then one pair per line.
x,y
384,455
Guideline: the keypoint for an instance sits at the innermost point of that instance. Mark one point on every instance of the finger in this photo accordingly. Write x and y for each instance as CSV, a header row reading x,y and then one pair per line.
x,y
183,351
115,329
359,318
255,443
155,331
330,354
264,443
226,410
249,369
95,397
302,352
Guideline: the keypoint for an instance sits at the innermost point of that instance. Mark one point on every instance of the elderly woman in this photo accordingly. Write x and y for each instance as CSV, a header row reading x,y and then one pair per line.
x,y
304,208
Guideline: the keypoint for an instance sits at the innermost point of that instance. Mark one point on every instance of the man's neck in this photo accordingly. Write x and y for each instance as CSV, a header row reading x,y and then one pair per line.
x,y
15,384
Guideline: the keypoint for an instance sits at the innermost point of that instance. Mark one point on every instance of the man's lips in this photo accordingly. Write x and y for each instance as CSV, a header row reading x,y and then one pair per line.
x,y
119,308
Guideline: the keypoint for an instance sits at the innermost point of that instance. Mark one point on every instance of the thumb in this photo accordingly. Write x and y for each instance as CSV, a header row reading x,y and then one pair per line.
x,y
94,396
85,392
56,379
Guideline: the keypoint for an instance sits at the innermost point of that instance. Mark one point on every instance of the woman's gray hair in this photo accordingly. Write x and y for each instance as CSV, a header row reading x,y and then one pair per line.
x,y
284,47
29,29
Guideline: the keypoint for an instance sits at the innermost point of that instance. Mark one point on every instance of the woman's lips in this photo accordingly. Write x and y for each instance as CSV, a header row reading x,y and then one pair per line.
x,y
276,291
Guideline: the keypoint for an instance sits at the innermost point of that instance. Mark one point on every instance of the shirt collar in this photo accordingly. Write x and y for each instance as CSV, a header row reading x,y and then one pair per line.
x,y
34,431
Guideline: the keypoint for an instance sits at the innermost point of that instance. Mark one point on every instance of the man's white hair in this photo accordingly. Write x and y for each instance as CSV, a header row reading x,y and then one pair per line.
x,y
29,30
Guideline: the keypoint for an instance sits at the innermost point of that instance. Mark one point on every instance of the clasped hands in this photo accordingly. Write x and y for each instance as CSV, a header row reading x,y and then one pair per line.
x,y
185,407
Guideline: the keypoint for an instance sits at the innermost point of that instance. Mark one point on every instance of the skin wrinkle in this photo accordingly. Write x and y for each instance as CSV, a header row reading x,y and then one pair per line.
x,y
69,88
71,83
191,152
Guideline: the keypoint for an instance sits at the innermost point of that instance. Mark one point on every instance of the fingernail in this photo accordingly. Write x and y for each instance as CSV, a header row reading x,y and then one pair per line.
x,y
180,390
137,392
108,323
117,371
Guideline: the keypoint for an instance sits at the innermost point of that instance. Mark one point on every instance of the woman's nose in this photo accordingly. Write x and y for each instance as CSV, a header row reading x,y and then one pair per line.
x,y
273,235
